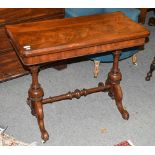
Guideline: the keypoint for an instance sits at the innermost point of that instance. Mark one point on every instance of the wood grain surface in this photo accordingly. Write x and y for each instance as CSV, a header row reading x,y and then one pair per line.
x,y
97,33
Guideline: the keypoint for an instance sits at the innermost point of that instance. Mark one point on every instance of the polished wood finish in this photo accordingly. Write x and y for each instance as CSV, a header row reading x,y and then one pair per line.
x,y
20,15
50,41
76,94
10,65
5,44
66,35
115,91
36,94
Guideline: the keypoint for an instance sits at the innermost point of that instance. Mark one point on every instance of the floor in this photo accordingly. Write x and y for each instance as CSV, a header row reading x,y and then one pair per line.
x,y
92,120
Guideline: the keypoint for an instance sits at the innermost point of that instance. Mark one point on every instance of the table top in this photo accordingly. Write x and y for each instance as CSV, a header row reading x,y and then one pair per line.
x,y
54,36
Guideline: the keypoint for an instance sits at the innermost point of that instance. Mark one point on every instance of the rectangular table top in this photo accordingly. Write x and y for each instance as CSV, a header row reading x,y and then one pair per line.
x,y
71,37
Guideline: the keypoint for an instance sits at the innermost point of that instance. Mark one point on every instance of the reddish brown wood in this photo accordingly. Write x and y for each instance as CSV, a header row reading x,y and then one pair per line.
x,y
49,41
10,65
35,96
77,94
14,16
114,78
66,36
4,41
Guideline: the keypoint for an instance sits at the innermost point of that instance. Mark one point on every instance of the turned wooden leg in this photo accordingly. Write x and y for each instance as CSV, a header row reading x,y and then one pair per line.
x,y
152,68
96,68
114,78
134,59
35,100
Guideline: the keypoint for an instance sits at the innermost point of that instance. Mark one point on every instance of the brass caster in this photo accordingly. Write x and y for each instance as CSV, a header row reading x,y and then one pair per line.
x,y
96,68
134,60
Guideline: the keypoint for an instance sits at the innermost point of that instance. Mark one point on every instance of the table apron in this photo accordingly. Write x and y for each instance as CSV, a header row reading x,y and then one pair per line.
x,y
62,55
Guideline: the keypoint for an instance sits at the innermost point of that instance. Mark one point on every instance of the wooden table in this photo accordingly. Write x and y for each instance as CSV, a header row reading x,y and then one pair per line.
x,y
50,41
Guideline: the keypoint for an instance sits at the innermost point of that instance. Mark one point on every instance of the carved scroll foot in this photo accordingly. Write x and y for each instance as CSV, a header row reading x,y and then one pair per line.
x,y
118,99
40,118
115,91
152,68
125,115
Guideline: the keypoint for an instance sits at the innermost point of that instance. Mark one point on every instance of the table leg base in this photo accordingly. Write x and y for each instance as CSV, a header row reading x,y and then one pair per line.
x,y
112,86
115,91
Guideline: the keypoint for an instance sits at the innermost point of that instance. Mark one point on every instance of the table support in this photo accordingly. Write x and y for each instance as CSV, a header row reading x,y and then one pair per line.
x,y
76,94
112,86
114,78
36,94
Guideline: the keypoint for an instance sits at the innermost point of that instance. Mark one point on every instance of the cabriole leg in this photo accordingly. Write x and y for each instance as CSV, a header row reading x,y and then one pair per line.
x,y
114,78
35,99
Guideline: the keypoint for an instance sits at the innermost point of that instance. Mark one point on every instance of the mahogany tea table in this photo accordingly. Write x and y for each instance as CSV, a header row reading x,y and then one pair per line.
x,y
53,40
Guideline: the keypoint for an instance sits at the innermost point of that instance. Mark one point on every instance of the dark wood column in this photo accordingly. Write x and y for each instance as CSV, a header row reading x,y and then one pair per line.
x,y
114,78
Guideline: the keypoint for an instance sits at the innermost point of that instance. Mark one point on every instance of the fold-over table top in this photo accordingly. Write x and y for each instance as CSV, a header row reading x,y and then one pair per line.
x,y
53,36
